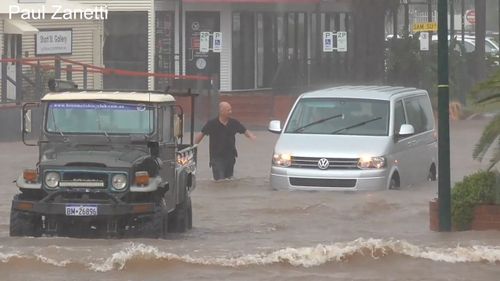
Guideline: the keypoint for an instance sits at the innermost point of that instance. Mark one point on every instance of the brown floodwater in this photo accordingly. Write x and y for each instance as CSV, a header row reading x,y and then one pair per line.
x,y
243,230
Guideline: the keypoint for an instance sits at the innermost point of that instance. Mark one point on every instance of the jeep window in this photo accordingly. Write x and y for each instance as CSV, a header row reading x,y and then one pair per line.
x,y
99,117
353,116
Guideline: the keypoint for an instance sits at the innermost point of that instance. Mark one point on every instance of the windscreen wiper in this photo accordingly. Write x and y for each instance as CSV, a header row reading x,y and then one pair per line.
x,y
299,129
356,125
55,126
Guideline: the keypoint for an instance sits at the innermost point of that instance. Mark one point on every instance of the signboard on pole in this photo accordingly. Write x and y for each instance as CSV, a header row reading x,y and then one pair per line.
x,y
341,41
470,15
424,41
327,41
217,42
425,26
204,42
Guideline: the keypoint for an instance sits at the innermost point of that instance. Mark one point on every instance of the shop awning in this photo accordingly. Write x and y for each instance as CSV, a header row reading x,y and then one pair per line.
x,y
18,27
255,1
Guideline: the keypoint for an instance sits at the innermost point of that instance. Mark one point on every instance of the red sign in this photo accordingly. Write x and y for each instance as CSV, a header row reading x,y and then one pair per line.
x,y
470,15
195,42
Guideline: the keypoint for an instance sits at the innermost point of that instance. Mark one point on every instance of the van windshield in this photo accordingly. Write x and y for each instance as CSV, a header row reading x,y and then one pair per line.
x,y
99,117
340,116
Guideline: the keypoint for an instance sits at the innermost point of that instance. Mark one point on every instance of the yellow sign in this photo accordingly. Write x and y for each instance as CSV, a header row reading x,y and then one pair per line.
x,y
425,26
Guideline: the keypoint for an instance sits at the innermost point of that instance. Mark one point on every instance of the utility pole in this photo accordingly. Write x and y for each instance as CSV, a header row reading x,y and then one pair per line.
x,y
444,188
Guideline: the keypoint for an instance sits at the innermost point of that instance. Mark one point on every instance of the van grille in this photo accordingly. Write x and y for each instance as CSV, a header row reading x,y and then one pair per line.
x,y
335,163
323,182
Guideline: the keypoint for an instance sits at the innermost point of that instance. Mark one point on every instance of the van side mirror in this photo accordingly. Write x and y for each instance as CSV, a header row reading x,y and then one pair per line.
x,y
275,126
406,130
26,128
179,125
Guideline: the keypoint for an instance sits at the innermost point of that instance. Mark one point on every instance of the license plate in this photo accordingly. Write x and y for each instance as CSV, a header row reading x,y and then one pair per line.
x,y
81,210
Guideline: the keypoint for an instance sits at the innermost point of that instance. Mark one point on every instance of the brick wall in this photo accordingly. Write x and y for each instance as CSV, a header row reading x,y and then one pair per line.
x,y
486,217
253,108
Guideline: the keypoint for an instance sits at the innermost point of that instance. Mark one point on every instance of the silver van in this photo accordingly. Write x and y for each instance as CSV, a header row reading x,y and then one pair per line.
x,y
356,138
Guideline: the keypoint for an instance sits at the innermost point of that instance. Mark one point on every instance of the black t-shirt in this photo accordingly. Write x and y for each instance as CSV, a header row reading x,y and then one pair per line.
x,y
222,140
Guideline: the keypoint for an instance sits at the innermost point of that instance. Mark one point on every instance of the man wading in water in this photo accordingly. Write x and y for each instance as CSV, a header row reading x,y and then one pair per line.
x,y
221,131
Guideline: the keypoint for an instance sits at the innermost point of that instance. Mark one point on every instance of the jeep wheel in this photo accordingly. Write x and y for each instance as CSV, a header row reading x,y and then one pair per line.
x,y
181,218
25,224
156,226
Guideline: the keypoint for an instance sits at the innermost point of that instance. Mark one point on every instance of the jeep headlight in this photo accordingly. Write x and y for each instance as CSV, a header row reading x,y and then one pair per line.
x,y
52,179
119,181
367,162
283,160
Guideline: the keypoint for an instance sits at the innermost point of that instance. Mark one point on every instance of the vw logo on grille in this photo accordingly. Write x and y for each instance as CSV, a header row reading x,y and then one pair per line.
x,y
323,163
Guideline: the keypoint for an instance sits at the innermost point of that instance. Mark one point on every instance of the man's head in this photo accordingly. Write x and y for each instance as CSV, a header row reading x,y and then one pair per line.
x,y
224,110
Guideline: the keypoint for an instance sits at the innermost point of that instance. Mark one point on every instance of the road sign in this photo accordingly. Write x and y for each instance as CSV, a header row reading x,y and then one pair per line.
x,y
470,15
341,41
327,41
424,41
425,26
217,42
204,42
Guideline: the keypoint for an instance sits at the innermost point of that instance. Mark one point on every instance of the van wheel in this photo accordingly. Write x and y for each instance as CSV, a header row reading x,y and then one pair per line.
x,y
432,173
394,184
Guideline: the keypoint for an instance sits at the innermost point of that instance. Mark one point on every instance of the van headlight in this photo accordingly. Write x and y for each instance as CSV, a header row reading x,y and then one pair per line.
x,y
283,160
367,162
52,179
119,181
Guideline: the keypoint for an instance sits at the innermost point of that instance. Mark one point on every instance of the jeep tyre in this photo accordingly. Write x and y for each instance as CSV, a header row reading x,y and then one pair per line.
x,y
181,219
25,224
156,226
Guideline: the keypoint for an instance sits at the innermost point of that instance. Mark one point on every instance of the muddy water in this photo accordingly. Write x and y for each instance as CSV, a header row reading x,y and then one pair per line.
x,y
245,231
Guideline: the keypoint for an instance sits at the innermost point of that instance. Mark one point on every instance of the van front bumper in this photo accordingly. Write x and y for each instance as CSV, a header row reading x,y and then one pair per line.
x,y
284,178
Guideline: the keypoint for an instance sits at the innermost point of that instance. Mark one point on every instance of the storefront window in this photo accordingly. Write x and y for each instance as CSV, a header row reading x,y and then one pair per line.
x,y
126,47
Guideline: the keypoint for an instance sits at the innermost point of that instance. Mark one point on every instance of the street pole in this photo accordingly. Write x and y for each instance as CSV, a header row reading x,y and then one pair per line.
x,y
462,19
444,189
181,38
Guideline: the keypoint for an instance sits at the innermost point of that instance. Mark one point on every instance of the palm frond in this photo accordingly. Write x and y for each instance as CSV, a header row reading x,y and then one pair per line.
x,y
496,156
490,134
492,98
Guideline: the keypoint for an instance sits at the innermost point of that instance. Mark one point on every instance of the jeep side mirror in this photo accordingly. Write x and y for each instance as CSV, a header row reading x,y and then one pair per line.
x,y
179,125
26,128
406,130
275,126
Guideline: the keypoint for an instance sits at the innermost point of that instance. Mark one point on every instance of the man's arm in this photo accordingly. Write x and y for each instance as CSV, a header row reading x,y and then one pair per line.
x,y
250,135
198,138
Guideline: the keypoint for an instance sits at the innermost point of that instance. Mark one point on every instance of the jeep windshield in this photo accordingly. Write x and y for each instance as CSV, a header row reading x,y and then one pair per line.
x,y
106,118
340,116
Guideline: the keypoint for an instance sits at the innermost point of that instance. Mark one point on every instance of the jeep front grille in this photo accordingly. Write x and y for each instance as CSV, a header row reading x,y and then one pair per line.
x,y
335,163
84,179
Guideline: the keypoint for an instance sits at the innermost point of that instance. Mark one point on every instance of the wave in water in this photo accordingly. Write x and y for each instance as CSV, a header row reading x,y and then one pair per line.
x,y
303,257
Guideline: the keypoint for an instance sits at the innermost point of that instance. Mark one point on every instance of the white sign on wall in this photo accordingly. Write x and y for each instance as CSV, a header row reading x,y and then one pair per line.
x,y
217,42
204,42
424,41
54,42
327,41
341,41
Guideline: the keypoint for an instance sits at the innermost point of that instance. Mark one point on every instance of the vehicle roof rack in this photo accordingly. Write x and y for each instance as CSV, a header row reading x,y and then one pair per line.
x,y
59,85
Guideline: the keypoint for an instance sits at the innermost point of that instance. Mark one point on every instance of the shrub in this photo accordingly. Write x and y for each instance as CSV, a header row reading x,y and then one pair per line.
x,y
478,188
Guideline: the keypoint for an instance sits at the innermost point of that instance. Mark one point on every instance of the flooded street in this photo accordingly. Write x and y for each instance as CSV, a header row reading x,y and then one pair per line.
x,y
243,230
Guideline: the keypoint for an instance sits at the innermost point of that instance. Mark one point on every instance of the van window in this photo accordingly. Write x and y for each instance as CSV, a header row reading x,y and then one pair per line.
x,y
340,116
419,113
399,116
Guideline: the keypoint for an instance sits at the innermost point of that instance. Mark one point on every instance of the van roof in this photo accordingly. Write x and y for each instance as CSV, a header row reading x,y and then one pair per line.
x,y
362,92
108,95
